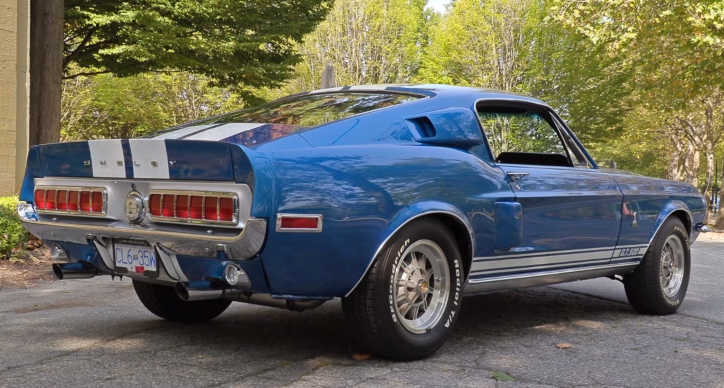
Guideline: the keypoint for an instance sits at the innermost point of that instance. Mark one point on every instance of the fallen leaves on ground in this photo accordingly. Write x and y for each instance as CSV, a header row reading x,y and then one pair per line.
x,y
500,376
564,345
360,356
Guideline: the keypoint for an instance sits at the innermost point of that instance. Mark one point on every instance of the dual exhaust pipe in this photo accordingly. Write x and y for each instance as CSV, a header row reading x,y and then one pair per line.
x,y
195,291
70,271
203,291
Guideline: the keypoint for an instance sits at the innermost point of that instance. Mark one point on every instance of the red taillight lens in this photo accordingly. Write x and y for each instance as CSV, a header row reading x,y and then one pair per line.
x,y
73,200
197,209
299,223
182,206
40,199
70,199
97,202
179,207
226,209
167,205
85,201
50,201
62,200
210,212
155,204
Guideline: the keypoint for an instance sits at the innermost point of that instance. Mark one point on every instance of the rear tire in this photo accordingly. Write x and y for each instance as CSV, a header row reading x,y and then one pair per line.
x,y
408,303
659,283
165,303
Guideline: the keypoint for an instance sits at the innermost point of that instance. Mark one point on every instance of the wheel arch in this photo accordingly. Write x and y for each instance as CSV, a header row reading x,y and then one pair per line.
x,y
450,216
673,209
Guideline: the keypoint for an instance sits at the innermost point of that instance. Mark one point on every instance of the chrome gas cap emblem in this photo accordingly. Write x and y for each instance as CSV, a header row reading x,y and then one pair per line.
x,y
135,207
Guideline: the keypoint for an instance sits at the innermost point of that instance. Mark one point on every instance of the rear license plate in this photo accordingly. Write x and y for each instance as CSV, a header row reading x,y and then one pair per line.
x,y
137,258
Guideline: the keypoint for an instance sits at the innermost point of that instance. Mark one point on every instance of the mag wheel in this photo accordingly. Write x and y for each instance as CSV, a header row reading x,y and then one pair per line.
x,y
659,283
408,303
165,303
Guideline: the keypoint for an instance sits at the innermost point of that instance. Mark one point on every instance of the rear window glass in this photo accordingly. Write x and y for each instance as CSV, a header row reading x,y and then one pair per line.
x,y
316,109
261,124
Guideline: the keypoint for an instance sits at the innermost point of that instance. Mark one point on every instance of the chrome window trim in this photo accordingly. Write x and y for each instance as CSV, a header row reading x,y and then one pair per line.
x,y
559,128
78,213
318,229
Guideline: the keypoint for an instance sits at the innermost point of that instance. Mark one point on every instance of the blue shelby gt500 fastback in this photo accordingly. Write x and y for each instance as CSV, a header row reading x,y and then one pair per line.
x,y
397,199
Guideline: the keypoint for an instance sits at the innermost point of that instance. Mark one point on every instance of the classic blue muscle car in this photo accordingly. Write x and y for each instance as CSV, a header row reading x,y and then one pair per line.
x,y
397,199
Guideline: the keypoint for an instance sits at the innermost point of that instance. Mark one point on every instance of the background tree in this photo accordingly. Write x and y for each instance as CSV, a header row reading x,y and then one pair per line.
x,y
234,43
677,49
106,106
366,41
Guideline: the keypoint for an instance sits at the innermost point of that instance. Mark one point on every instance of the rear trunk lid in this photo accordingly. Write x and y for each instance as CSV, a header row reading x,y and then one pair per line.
x,y
139,159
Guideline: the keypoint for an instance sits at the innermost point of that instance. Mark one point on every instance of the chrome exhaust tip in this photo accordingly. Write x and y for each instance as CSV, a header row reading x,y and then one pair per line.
x,y
190,294
70,271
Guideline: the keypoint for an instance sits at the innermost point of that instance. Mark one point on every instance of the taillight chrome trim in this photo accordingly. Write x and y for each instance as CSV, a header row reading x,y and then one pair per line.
x,y
92,189
189,220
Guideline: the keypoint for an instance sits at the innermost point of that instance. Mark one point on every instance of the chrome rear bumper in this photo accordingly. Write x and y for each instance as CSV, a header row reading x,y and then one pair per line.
x,y
242,246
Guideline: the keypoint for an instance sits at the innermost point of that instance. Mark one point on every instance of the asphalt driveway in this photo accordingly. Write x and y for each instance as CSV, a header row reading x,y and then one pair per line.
x,y
96,333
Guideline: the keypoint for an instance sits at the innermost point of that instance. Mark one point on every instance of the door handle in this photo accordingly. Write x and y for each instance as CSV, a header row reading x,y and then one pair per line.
x,y
517,176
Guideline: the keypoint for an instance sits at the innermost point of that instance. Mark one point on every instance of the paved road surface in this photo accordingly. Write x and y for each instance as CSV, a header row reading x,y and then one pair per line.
x,y
96,333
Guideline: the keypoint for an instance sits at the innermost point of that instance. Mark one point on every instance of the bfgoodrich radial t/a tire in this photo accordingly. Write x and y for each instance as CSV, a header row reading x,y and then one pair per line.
x,y
659,283
407,305
165,303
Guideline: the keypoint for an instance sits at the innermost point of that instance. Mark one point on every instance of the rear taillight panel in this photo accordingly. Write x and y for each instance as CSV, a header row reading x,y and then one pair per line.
x,y
200,207
71,200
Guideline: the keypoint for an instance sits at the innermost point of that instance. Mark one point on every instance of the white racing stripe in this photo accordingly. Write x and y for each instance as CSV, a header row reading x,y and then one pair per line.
x,y
513,262
107,158
149,158
224,131
181,132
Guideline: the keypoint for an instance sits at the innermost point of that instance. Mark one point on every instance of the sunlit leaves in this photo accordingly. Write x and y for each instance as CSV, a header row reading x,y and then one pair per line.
x,y
233,42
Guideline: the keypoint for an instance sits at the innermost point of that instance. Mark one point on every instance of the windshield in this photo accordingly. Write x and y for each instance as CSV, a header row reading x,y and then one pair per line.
x,y
283,117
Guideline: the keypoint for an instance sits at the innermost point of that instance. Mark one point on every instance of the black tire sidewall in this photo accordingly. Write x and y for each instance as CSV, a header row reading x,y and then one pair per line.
x,y
419,345
165,303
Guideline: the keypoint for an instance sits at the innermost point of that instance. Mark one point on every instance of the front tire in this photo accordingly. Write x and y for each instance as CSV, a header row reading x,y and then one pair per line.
x,y
165,303
407,305
659,283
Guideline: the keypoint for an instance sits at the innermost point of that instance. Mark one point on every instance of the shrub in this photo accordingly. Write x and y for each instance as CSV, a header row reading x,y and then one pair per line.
x,y
13,235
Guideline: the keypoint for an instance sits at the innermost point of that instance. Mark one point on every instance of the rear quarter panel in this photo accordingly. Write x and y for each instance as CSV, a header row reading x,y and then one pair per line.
x,y
364,193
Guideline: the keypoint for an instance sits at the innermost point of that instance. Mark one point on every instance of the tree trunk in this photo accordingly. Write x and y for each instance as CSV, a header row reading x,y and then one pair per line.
x,y
709,172
691,165
46,70
721,191
720,219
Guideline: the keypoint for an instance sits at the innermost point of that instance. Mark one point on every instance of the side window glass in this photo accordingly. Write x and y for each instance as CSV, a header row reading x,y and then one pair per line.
x,y
521,136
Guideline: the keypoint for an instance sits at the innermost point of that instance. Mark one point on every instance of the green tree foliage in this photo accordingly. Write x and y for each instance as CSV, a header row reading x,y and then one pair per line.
x,y
233,42
366,41
677,51
512,45
482,44
106,106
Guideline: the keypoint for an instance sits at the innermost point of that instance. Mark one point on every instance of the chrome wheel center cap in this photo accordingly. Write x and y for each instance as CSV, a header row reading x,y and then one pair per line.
x,y
423,287
135,207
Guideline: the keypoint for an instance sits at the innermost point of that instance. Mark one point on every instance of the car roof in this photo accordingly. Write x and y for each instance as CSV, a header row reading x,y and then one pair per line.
x,y
433,90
